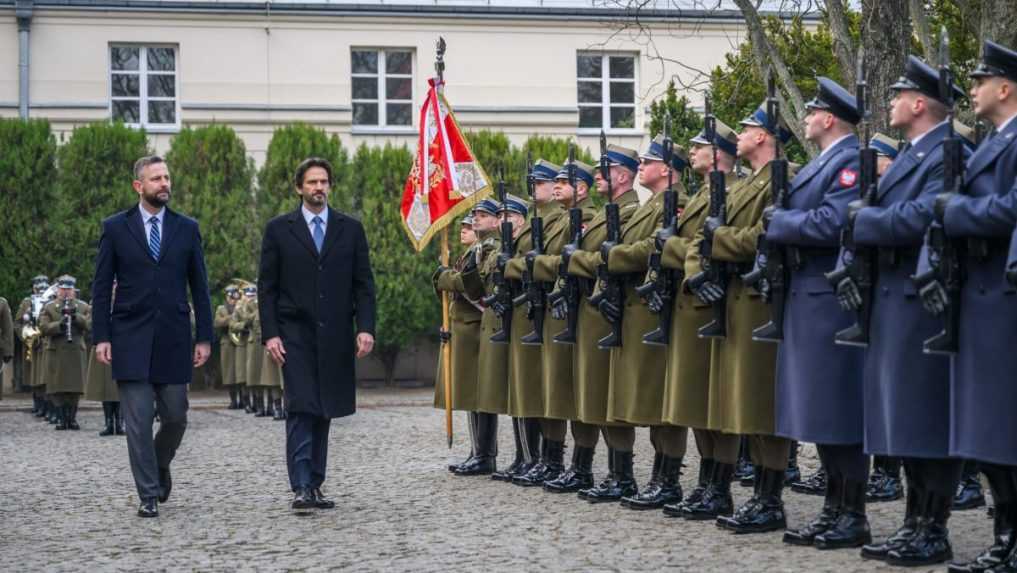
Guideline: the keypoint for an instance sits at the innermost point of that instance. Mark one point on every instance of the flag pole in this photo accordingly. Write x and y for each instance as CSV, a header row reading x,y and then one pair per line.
x,y
446,345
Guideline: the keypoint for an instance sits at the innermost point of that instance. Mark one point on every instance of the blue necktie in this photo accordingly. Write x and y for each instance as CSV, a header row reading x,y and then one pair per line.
x,y
154,239
319,233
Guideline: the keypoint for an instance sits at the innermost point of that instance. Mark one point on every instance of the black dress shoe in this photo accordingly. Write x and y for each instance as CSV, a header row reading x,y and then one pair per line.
x,y
148,508
767,512
806,535
930,545
570,481
666,490
478,466
453,467
969,493
622,484
165,484
320,501
303,499
852,526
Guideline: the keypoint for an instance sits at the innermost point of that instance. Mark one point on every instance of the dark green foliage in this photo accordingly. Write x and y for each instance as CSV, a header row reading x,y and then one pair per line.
x,y
685,122
406,301
27,194
212,182
94,180
290,145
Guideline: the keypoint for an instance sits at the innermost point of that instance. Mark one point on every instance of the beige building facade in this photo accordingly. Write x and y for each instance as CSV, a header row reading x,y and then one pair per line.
x,y
359,70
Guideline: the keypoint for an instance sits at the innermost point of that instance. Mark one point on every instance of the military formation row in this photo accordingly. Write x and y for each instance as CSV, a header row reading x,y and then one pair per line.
x,y
863,302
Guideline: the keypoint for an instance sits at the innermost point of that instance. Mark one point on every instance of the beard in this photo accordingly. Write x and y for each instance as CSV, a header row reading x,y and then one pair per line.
x,y
158,198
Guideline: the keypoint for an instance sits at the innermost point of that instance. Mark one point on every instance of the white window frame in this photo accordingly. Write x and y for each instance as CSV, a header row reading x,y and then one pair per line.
x,y
605,94
143,74
382,100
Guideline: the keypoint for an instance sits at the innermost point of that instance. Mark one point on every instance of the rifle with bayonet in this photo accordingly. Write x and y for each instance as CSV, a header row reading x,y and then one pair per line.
x,y
571,289
534,292
501,299
772,264
859,262
610,298
659,291
715,273
945,277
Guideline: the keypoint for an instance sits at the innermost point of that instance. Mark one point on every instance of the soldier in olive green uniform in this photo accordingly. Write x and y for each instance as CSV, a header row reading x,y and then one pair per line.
x,y
743,371
255,356
637,369
474,358
227,351
100,387
463,339
26,316
239,331
526,393
571,189
6,338
593,364
63,323
493,365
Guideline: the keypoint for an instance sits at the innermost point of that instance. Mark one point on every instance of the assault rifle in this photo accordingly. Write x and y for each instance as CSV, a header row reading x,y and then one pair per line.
x,y
612,287
501,299
534,292
570,290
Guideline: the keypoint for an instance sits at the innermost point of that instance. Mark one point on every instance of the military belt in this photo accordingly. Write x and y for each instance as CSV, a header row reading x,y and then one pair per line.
x,y
894,256
798,257
980,248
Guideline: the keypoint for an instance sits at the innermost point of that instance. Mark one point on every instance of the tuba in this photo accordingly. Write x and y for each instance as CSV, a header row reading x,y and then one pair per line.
x,y
30,332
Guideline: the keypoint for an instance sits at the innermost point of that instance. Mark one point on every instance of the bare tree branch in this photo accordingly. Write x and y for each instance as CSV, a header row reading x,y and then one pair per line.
x,y
843,44
920,21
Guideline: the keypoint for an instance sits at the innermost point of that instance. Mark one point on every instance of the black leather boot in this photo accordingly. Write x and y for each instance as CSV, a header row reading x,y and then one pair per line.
x,y
745,471
72,417
653,483
907,530
696,495
63,414
513,468
269,404
884,483
578,477
107,413
40,410
969,491
552,465
118,415
852,526
793,473
812,485
54,412
767,514
35,404
623,484
485,462
607,479
667,490
280,413
1004,495
824,521
262,408
716,501
250,406
532,476
931,543
233,400
471,424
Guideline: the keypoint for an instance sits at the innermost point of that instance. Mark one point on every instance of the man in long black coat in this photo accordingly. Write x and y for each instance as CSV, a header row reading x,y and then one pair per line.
x,y
316,300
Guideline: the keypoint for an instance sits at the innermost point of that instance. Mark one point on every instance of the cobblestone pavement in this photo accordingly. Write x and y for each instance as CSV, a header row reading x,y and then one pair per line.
x,y
67,503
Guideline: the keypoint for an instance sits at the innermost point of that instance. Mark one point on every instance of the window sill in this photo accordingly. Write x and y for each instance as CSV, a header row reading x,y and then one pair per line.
x,y
383,130
612,131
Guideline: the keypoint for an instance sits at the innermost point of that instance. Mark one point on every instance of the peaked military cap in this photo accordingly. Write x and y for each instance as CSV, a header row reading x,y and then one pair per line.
x,y
40,279
832,97
623,156
759,118
885,145
584,173
230,289
66,281
489,206
514,204
544,170
467,220
921,77
655,152
250,289
966,133
725,138
998,61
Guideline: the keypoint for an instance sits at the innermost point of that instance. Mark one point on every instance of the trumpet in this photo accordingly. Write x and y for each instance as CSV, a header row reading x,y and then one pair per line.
x,y
68,310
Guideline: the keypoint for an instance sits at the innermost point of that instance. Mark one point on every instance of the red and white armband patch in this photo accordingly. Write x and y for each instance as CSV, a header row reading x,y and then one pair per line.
x,y
848,177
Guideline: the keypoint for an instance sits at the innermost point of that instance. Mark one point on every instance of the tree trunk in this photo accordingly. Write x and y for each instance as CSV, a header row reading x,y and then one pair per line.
x,y
920,20
843,43
999,22
886,37
389,358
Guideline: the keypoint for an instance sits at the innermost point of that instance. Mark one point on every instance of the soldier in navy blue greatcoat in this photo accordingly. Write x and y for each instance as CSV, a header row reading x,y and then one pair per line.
x,y
982,423
819,383
907,392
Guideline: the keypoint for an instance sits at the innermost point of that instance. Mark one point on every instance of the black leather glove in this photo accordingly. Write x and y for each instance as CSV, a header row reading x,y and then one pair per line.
x,y
853,208
605,250
567,252
940,204
560,309
499,308
661,237
705,290
610,311
444,336
503,260
934,298
768,216
441,269
710,227
1011,274
848,294
655,302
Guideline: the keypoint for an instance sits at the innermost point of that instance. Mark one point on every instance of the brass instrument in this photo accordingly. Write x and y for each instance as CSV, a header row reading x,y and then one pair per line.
x,y
68,310
30,333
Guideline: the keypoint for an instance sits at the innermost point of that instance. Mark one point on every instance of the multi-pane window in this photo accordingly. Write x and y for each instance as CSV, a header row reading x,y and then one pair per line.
x,y
382,87
606,90
143,85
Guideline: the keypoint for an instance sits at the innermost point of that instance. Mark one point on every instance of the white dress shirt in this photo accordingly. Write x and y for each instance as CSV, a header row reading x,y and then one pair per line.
x,y
309,217
146,217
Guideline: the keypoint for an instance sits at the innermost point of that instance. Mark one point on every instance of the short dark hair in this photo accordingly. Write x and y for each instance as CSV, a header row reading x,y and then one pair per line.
x,y
298,178
144,162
